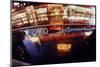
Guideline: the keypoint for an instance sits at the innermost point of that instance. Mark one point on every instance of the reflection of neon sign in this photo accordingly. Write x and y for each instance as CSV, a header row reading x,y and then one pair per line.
x,y
68,29
36,31
63,49
45,31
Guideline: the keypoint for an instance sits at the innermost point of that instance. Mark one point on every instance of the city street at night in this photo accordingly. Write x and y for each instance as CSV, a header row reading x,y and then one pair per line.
x,y
49,33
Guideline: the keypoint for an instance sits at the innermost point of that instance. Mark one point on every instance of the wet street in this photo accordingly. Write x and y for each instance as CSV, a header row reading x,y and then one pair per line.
x,y
79,51
60,49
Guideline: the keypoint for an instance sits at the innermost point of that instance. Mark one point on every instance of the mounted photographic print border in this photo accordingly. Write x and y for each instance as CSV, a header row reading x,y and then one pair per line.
x,y
52,33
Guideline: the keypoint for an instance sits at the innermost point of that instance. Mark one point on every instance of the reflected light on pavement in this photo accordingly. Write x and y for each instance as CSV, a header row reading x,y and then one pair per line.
x,y
63,48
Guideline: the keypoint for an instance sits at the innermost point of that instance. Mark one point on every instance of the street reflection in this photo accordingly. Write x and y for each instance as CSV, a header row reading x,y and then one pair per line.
x,y
63,49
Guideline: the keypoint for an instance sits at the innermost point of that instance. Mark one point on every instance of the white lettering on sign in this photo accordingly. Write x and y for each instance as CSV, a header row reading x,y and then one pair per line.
x,y
41,10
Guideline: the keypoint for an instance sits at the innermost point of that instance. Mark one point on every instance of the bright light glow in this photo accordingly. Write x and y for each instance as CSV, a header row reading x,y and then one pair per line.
x,y
41,10
16,4
21,5
88,33
78,18
35,39
63,47
72,6
13,10
24,3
